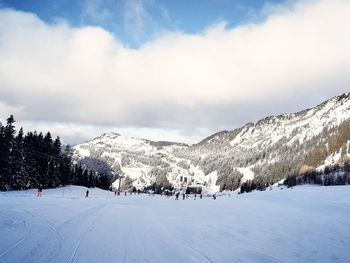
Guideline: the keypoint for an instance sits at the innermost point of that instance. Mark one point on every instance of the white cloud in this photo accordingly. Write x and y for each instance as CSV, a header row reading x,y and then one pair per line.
x,y
139,19
135,16
218,79
97,11
7,110
73,134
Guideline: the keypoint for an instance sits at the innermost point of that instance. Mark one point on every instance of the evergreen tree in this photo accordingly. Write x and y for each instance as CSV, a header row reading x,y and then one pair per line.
x,y
3,158
66,167
20,178
8,143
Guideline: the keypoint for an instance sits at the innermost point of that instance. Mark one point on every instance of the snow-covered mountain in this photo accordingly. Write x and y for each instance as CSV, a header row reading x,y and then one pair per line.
x,y
269,150
144,161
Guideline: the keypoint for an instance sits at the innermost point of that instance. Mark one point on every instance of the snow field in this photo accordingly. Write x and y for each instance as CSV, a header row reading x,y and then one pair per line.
x,y
303,224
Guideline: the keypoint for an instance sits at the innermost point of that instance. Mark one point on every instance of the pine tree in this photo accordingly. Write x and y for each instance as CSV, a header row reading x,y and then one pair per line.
x,y
20,178
8,154
65,167
30,161
3,158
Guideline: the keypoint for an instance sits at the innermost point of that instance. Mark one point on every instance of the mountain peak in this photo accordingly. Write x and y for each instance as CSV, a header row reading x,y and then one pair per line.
x,y
106,135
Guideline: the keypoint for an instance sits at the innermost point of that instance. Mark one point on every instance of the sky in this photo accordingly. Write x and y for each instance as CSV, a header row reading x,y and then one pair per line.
x,y
167,70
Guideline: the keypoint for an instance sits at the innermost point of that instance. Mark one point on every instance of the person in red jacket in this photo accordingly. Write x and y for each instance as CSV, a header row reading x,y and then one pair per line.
x,y
40,191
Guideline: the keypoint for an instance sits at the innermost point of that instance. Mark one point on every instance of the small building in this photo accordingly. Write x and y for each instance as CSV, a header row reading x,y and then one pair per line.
x,y
167,192
194,189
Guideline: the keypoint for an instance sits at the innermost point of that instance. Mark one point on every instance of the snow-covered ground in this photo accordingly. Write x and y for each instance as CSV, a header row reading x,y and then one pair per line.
x,y
304,224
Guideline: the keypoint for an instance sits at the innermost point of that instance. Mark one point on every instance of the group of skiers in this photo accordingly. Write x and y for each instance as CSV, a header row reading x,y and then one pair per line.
x,y
40,192
184,196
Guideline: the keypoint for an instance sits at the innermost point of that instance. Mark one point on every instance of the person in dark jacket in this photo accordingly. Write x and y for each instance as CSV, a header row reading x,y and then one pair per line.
x,y
177,196
87,194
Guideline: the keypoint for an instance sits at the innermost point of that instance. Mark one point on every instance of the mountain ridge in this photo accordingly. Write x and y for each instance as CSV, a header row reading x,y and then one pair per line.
x,y
271,149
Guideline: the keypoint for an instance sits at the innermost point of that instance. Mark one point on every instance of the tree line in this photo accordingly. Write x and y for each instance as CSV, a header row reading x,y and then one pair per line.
x,y
34,159
335,174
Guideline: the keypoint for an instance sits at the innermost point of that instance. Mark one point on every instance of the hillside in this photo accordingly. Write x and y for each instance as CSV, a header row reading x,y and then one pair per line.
x,y
142,160
270,150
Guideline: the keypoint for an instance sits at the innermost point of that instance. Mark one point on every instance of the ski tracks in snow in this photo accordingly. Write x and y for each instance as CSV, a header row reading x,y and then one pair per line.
x,y
90,227
14,246
169,240
49,225
47,243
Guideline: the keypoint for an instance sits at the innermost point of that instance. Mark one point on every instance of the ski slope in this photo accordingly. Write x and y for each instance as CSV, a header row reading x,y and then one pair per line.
x,y
304,224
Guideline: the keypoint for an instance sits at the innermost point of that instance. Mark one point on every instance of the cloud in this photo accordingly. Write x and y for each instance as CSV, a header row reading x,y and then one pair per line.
x,y
145,20
98,11
72,134
135,17
7,110
218,79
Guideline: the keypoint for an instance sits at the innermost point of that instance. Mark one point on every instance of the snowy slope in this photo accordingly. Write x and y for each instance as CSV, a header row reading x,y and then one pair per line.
x,y
303,224
268,148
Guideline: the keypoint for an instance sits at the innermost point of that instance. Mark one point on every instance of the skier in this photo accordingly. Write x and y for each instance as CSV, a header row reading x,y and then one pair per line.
x,y
201,196
87,194
177,196
183,196
214,196
40,191
195,195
